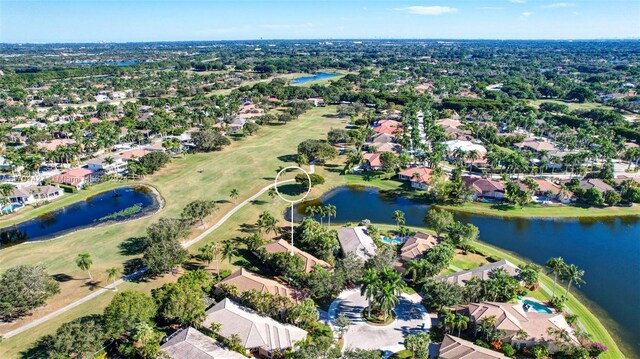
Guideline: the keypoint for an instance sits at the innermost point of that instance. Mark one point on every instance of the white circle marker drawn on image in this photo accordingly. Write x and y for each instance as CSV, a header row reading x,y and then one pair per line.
x,y
292,202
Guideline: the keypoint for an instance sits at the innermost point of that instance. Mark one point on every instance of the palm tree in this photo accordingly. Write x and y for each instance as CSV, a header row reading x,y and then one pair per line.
x,y
272,192
398,217
113,273
448,318
311,211
331,211
573,275
389,290
5,191
234,194
556,266
461,322
321,212
229,250
369,286
84,262
207,253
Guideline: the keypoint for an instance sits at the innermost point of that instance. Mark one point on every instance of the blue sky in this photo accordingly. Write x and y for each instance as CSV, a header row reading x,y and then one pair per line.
x,y
172,20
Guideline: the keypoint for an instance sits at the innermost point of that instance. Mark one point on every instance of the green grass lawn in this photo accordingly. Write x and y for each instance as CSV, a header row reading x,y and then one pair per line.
x,y
247,165
539,211
573,105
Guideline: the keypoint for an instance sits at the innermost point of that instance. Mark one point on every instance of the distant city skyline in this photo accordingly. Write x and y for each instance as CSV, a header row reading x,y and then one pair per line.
x,y
26,21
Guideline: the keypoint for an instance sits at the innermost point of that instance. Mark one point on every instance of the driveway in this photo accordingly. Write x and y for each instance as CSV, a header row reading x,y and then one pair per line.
x,y
411,317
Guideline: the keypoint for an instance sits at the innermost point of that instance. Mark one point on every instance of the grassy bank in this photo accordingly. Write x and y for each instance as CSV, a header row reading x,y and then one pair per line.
x,y
539,211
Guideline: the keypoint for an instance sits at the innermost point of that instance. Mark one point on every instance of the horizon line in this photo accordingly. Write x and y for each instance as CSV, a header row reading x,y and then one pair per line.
x,y
322,39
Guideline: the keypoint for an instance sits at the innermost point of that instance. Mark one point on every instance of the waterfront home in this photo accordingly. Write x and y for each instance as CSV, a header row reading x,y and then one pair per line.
x,y
34,194
237,125
245,280
356,240
189,343
78,178
110,164
417,245
372,161
482,272
550,190
419,177
456,348
260,335
484,187
515,318
316,101
282,246
596,183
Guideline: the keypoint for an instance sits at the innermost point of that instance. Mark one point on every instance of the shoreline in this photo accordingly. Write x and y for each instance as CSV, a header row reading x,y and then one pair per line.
x,y
155,193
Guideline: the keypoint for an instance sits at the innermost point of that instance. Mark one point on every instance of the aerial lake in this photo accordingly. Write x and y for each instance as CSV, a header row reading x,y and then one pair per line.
x,y
607,249
316,77
112,206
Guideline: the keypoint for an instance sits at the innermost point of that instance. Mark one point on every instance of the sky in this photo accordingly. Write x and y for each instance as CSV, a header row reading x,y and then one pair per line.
x,y
24,21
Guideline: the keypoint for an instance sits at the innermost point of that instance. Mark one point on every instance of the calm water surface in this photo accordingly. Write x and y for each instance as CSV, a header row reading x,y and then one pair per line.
x,y
318,76
608,250
87,213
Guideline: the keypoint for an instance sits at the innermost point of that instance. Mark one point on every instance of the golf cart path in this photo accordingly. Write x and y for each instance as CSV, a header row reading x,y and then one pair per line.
x,y
111,286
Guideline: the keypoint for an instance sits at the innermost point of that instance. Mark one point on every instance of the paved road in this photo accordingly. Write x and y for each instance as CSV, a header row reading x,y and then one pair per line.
x,y
111,286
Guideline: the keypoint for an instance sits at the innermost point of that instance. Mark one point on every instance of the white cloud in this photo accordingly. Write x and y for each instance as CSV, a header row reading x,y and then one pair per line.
x,y
526,14
429,10
517,1
558,5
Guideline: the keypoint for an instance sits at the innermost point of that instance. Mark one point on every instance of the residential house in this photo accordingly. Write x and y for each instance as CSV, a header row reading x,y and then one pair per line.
x,y
514,318
34,194
282,246
133,154
537,146
382,138
419,177
484,187
548,189
237,125
246,280
482,272
384,147
596,183
78,177
389,127
356,240
189,343
456,348
260,335
417,245
372,161
116,164
316,101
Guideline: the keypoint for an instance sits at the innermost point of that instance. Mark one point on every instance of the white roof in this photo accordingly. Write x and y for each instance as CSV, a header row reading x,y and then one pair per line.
x,y
357,241
465,146
254,330
189,343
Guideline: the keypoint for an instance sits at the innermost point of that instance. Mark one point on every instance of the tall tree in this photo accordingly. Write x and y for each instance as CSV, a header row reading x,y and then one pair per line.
x,y
556,267
84,262
112,274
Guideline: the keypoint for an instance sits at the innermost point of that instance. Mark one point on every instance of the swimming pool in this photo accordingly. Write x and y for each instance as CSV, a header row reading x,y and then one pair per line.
x,y
394,240
538,307
10,208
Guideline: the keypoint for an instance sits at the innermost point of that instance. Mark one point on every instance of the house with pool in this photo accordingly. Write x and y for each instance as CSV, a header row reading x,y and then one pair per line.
x,y
416,246
282,246
518,319
34,194
356,240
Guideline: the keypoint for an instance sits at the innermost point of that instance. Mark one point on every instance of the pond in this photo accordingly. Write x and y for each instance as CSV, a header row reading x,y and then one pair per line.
x,y
316,77
608,249
112,206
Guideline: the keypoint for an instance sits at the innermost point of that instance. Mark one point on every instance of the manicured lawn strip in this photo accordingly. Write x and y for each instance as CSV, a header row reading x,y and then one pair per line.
x,y
67,199
573,105
538,211
588,319
247,165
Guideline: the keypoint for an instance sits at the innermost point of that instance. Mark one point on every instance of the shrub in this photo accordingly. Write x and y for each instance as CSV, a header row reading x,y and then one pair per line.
x,y
508,350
